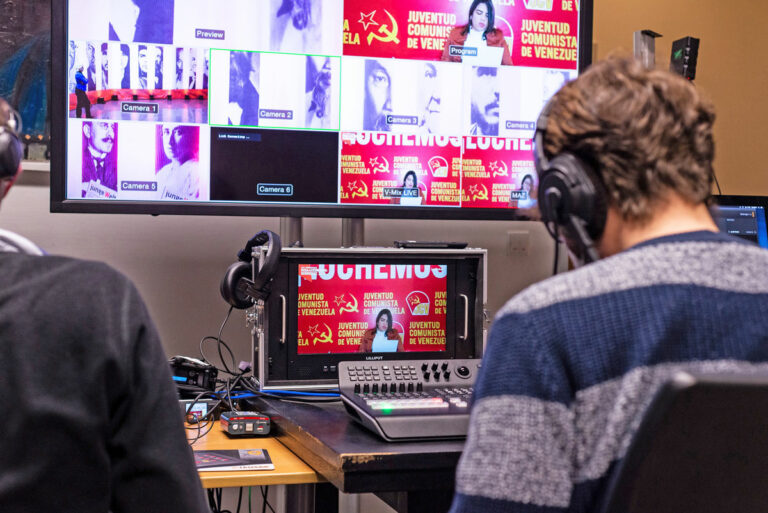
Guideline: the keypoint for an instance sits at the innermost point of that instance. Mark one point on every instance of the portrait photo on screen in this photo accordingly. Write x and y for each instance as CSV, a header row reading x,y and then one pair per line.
x,y
177,162
141,21
243,105
320,101
150,67
99,160
305,26
484,93
402,96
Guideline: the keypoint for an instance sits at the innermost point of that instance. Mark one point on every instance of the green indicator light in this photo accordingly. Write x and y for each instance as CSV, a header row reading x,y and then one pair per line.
x,y
386,411
679,53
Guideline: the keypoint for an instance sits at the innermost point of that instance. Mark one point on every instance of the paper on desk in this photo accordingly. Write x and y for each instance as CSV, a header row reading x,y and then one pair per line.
x,y
233,459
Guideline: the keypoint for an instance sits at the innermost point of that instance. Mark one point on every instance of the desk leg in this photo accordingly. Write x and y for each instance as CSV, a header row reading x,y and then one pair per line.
x,y
311,498
427,501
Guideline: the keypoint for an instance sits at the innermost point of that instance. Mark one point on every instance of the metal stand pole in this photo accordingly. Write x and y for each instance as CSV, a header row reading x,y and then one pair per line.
x,y
352,232
291,231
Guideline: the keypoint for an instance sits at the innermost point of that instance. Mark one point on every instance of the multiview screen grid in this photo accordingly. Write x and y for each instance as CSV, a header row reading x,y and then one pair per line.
x,y
308,101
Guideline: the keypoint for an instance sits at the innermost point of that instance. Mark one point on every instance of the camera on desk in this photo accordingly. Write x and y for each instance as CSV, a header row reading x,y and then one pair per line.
x,y
193,372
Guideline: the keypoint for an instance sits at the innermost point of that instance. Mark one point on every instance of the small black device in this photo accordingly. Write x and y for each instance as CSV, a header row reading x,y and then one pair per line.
x,y
246,280
410,399
11,149
191,371
572,195
244,423
194,411
429,244
685,53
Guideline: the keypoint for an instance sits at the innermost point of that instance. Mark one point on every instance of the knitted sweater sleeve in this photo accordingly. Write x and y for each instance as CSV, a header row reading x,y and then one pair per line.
x,y
518,455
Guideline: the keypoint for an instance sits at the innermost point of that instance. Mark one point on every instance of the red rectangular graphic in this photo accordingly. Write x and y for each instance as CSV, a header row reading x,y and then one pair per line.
x,y
400,169
498,172
536,33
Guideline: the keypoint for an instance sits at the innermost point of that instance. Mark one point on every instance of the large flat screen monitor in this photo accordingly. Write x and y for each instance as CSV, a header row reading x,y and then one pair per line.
x,y
350,108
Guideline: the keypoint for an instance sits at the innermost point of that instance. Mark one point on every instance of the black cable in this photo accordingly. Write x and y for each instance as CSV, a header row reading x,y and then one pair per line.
x,y
265,503
239,499
557,250
219,344
717,183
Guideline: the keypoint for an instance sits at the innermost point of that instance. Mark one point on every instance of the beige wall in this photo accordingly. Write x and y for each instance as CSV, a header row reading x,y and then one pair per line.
x,y
732,70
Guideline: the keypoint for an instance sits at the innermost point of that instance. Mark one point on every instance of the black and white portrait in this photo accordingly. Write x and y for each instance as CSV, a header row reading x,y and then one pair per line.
x,y
141,21
243,108
150,67
318,104
484,101
377,103
295,25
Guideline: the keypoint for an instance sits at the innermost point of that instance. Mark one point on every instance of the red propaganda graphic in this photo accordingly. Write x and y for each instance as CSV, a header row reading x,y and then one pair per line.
x,y
537,33
371,308
498,172
400,169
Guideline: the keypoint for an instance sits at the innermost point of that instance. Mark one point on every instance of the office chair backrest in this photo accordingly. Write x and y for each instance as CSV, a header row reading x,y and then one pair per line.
x,y
702,447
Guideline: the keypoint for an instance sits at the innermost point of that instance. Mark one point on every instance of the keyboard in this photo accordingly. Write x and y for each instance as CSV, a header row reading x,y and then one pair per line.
x,y
410,399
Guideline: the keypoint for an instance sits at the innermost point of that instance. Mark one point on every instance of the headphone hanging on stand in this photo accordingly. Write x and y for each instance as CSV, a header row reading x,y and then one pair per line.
x,y
237,288
11,149
571,196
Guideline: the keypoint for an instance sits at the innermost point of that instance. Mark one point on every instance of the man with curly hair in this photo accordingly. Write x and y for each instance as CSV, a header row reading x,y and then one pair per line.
x,y
573,362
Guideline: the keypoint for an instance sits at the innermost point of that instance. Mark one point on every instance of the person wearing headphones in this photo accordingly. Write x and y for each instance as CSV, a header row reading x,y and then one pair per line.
x,y
91,417
624,156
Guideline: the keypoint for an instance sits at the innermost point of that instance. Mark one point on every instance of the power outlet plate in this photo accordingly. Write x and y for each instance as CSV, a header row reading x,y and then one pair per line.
x,y
518,242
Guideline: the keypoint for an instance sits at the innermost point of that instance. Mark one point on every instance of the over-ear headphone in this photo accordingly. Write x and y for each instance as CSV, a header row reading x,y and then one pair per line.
x,y
571,196
237,287
11,149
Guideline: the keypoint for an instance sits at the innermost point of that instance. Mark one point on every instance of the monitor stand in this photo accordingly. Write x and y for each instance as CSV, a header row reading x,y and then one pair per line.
x,y
292,231
352,232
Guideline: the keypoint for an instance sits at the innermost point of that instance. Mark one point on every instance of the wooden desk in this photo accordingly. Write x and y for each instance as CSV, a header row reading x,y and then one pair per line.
x,y
289,468
409,476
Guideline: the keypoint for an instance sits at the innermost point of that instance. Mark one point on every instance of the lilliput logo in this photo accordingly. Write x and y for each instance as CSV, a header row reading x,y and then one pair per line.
x,y
320,337
439,167
418,302
346,305
385,33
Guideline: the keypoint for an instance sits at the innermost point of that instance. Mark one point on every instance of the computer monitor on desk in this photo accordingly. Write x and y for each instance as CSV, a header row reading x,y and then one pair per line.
x,y
742,216
368,304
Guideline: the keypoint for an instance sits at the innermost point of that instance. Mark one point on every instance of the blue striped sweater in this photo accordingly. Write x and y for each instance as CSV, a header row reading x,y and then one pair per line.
x,y
572,363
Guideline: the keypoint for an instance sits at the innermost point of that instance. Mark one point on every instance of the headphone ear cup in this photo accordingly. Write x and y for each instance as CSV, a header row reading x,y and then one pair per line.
x,y
228,288
578,192
11,152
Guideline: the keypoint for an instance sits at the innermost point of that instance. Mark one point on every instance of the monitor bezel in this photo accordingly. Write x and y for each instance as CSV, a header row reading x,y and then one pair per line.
x,y
59,123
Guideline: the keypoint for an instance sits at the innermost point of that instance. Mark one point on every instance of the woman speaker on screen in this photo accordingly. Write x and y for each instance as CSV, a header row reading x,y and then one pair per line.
x,y
478,32
383,338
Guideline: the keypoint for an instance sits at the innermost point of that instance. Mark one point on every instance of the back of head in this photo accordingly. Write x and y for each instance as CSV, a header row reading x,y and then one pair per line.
x,y
646,132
